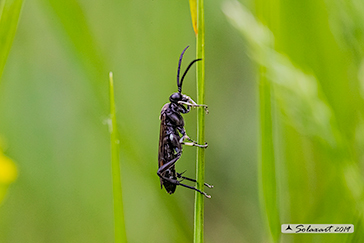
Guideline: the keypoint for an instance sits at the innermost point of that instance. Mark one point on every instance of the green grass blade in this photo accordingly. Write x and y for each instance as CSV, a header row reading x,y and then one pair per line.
x,y
120,234
9,17
267,163
200,163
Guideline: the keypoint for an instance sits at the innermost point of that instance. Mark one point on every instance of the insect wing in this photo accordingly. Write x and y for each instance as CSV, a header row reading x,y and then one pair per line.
x,y
162,136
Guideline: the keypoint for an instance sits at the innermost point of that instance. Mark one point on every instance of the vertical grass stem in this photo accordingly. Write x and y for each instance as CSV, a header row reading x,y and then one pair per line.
x,y
268,186
200,163
119,224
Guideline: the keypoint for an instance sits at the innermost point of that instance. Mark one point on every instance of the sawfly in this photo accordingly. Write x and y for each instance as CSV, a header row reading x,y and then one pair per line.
x,y
173,135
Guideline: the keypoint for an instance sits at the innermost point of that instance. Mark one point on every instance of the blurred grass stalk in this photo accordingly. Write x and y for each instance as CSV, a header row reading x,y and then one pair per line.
x,y
200,160
267,167
266,12
9,18
311,152
119,221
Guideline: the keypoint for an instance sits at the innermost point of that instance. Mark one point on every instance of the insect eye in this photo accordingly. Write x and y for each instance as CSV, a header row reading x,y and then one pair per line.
x,y
175,97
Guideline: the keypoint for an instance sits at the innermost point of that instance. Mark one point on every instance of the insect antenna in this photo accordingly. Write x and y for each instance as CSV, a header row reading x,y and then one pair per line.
x,y
183,76
179,84
179,69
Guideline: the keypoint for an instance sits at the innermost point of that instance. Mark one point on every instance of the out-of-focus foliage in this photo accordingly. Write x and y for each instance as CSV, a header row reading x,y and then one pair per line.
x,y
312,57
8,174
54,108
9,16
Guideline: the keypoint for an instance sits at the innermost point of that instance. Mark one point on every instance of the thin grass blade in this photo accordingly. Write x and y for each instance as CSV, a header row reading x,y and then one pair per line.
x,y
119,222
200,163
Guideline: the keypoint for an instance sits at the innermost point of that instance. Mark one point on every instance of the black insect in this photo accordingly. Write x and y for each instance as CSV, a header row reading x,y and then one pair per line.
x,y
173,135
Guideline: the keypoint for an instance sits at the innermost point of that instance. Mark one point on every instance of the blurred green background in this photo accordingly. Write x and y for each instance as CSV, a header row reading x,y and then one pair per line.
x,y
54,105
54,108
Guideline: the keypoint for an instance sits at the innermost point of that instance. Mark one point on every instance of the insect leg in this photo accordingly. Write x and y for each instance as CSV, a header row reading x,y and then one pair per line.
x,y
193,104
176,182
191,143
168,165
179,175
193,188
